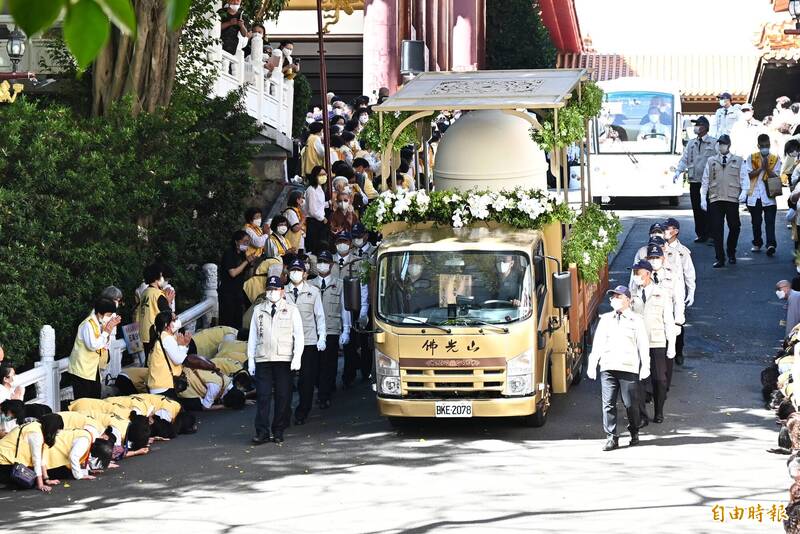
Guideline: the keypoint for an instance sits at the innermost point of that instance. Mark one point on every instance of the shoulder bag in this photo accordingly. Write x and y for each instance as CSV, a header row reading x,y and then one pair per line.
x,y
22,475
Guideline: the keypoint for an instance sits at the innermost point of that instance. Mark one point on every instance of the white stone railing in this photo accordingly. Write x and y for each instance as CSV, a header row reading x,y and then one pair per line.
x,y
47,373
268,94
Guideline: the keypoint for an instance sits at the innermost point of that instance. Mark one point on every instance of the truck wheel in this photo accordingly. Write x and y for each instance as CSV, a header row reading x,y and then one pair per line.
x,y
538,419
578,375
674,201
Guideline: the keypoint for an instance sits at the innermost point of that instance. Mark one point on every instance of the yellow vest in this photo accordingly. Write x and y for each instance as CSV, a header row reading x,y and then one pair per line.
x,y
78,420
198,381
160,402
309,156
58,454
251,250
208,340
235,350
756,160
294,238
159,376
133,402
9,444
148,309
278,245
228,366
85,363
120,424
138,377
95,406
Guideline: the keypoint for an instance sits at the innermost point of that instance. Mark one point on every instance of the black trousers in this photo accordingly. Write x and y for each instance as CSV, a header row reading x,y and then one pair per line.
x,y
273,378
86,389
718,213
231,308
328,365
613,384
660,373
767,214
315,234
309,374
700,216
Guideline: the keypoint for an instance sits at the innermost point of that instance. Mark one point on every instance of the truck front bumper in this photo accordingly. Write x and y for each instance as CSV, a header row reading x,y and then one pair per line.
x,y
508,407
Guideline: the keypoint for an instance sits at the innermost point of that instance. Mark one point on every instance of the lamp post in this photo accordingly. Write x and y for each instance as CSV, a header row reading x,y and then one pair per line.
x,y
15,46
323,87
794,11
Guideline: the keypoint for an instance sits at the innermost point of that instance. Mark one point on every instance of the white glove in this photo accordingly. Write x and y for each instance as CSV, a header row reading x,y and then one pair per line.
x,y
674,180
363,320
670,351
703,204
251,367
742,197
320,345
645,374
295,365
592,373
689,300
344,338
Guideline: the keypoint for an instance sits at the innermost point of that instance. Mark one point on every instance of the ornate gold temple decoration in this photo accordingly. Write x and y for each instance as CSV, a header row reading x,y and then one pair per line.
x,y
338,6
5,91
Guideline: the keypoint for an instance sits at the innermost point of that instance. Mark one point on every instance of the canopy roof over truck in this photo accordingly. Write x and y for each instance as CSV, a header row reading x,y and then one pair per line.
x,y
490,89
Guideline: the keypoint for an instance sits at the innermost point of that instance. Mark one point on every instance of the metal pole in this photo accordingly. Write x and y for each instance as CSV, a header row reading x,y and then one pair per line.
x,y
323,87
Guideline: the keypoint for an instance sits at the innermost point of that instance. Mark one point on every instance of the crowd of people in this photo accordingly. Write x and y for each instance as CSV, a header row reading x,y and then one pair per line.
x,y
638,342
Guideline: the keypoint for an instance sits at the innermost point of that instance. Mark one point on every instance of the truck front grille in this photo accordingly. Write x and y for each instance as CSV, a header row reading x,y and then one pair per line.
x,y
452,382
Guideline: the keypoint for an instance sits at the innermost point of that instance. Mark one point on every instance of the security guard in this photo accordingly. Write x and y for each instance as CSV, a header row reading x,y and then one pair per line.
x,y
656,236
654,303
361,247
308,300
363,250
679,259
337,323
722,183
347,264
727,115
90,349
621,348
693,161
274,349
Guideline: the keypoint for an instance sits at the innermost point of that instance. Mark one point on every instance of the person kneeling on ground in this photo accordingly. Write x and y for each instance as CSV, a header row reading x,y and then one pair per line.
x,y
24,445
212,391
76,454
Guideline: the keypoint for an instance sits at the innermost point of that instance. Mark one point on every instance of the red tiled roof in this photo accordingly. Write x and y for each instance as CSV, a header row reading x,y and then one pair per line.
x,y
697,76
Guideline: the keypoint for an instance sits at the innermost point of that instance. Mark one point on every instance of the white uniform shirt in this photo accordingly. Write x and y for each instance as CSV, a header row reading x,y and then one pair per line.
x,y
621,343
725,119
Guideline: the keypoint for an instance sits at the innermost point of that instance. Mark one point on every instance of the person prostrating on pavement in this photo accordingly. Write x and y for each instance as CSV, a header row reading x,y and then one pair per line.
x,y
722,183
621,348
274,350
309,302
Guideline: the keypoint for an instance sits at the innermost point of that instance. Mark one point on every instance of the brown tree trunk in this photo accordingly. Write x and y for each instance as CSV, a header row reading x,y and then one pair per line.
x,y
143,68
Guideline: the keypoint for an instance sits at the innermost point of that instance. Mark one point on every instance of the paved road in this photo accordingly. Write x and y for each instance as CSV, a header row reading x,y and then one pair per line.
x,y
348,472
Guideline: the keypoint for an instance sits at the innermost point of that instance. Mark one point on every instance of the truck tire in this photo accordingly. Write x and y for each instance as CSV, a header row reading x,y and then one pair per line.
x,y
674,201
577,375
538,419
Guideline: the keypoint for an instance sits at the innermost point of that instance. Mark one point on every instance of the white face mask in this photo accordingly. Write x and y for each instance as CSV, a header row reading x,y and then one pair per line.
x,y
358,242
363,119
343,204
636,280
697,130
657,264
657,235
286,52
723,149
342,248
504,266
779,293
654,118
95,464
296,276
415,270
764,151
243,248
176,325
324,268
747,115
722,102
283,229
105,319
257,222
7,423
669,234
233,8
162,283
616,304
274,295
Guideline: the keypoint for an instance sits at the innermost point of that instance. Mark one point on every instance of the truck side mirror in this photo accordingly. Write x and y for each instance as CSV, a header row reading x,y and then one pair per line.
x,y
562,289
352,294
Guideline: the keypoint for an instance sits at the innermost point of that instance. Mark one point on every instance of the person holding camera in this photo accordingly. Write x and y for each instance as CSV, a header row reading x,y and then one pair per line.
x,y
232,26
90,349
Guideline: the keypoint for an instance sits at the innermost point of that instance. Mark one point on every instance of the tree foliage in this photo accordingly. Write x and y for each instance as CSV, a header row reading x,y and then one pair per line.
x,y
571,119
301,103
516,37
88,202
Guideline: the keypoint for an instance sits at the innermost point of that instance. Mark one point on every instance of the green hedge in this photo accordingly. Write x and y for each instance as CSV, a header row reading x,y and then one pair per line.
x,y
87,202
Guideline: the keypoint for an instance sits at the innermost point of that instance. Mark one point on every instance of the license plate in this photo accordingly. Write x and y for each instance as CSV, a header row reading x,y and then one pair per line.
x,y
454,409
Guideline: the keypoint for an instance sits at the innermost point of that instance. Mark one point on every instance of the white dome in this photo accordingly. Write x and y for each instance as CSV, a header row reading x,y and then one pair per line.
x,y
489,149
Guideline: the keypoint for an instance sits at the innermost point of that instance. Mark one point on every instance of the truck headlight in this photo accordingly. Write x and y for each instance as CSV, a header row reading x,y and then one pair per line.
x,y
389,385
519,374
386,366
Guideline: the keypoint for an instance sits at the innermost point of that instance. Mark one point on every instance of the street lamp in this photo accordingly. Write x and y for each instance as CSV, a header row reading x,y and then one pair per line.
x,y
15,46
794,9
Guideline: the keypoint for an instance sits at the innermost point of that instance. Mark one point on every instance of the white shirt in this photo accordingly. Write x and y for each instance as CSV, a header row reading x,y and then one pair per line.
x,y
80,446
36,442
621,343
315,203
253,342
760,190
176,353
725,119
11,393
257,241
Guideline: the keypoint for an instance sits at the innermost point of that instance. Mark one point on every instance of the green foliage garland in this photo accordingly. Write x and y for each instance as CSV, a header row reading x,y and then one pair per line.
x,y
571,119
377,138
592,238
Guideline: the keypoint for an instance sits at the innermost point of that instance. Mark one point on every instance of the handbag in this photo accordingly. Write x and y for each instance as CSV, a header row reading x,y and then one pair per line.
x,y
774,186
179,383
22,475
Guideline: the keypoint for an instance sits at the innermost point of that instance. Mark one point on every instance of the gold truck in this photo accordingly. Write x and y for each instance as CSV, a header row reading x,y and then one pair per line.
x,y
478,321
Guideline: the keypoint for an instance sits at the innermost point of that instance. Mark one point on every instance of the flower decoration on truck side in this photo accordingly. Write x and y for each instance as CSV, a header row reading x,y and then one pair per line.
x,y
592,238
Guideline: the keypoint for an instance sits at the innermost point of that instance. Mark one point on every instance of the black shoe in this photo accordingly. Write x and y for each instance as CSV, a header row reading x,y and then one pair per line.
x,y
611,444
277,438
770,251
644,421
701,240
679,359
634,440
732,260
658,419
718,264
260,439
299,421
324,405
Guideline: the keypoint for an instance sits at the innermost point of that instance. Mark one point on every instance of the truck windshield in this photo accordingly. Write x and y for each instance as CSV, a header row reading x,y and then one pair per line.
x,y
454,288
636,122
